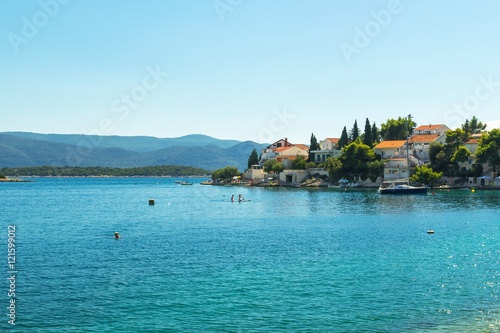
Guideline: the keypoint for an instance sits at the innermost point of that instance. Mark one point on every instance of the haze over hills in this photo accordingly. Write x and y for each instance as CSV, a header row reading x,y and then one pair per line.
x,y
18,149
133,143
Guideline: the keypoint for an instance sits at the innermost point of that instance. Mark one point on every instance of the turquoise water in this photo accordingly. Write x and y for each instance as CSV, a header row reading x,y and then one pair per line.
x,y
291,260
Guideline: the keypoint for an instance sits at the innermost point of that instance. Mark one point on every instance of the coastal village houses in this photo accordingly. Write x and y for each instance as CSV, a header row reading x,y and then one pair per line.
x,y
284,152
393,152
328,147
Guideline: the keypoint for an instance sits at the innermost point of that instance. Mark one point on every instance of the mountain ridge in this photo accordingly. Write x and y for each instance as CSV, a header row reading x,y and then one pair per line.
x,y
21,150
140,143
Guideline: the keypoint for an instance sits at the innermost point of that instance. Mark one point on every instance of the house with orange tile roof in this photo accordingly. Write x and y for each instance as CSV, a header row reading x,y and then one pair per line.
x,y
391,148
327,148
431,129
285,155
419,144
472,144
329,144
283,151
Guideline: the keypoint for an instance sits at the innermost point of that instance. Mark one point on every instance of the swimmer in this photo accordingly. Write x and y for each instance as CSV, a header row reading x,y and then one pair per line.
x,y
117,235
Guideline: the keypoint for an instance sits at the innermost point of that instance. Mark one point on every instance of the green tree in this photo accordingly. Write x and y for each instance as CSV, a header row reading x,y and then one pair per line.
x,y
397,129
375,134
367,136
434,149
355,158
227,172
474,126
299,163
354,131
334,168
375,169
313,146
460,155
310,165
2,176
456,138
425,175
488,150
253,159
344,139
273,166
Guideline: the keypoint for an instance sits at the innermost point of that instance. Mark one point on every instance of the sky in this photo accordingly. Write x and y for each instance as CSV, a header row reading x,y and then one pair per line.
x,y
256,70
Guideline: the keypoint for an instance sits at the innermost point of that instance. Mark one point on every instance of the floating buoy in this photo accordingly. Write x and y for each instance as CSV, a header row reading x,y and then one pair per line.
x,y
151,202
473,190
430,231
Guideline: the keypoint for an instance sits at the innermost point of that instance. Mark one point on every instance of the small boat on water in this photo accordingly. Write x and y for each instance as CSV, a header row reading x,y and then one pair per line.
x,y
401,187
186,183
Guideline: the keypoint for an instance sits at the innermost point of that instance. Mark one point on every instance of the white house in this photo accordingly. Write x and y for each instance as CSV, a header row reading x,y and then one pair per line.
x,y
329,144
391,148
395,169
431,129
419,144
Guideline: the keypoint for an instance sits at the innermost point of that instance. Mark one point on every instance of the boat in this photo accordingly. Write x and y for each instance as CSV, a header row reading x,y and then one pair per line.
x,y
402,186
186,183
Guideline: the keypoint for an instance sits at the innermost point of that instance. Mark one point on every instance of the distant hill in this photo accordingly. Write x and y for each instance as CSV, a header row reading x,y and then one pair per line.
x,y
133,143
31,149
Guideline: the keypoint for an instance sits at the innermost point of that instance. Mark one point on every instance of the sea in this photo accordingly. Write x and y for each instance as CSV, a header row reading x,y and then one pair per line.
x,y
281,260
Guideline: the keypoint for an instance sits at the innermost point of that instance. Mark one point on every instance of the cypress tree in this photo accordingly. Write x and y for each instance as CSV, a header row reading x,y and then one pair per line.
x,y
355,131
344,139
253,158
375,134
367,138
313,146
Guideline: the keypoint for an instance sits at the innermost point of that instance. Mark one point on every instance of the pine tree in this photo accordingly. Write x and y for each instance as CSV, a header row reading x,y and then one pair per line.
x,y
375,134
354,131
367,138
344,139
313,146
253,158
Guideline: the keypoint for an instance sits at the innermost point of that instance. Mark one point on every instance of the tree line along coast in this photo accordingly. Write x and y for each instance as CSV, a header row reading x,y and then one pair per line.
x,y
65,171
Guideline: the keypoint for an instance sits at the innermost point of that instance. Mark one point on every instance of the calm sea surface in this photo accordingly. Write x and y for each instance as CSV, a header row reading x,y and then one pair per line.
x,y
285,260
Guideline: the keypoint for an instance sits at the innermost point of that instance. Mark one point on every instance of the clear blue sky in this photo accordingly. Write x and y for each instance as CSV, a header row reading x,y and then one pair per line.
x,y
245,69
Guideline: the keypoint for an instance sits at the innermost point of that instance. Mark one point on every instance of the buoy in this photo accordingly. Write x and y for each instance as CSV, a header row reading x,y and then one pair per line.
x,y
430,231
473,190
151,202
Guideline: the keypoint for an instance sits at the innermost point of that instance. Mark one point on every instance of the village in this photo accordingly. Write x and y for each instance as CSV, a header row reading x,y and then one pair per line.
x,y
397,159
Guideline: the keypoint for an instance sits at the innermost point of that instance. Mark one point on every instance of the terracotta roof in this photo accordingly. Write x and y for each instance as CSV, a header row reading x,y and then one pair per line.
x,y
390,144
429,127
424,138
334,140
280,149
302,146
472,142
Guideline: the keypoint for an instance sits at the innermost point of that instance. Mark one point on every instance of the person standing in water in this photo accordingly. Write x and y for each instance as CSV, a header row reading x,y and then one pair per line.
x,y
232,197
